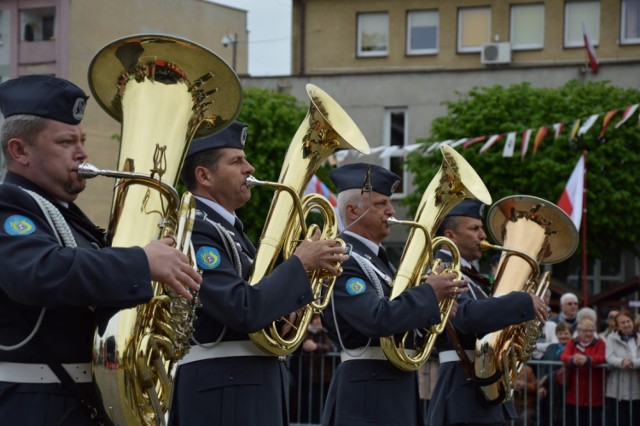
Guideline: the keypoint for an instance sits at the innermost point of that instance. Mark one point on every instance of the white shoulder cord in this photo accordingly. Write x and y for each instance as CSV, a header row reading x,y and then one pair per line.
x,y
230,246
65,238
367,268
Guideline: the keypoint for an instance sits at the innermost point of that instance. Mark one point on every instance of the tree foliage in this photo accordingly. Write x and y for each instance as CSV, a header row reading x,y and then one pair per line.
x,y
273,120
613,194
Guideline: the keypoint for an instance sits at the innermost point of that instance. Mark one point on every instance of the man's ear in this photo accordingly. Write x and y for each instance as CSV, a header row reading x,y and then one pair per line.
x,y
351,212
202,174
448,233
18,150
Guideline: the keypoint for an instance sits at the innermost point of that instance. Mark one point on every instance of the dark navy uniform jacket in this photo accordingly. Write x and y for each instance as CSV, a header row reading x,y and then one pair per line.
x,y
373,392
456,399
37,272
248,390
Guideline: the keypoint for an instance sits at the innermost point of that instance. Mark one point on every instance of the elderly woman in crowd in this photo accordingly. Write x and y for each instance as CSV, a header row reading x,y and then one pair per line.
x,y
623,383
584,383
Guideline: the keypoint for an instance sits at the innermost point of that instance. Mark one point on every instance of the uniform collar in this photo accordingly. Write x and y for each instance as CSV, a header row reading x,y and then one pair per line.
x,y
226,215
375,248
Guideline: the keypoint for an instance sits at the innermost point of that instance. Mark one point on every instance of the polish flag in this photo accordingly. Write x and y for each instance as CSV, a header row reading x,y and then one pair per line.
x,y
571,199
591,53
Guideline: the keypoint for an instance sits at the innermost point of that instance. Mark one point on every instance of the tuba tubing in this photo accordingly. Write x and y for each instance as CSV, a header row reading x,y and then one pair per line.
x,y
454,181
164,91
532,232
327,128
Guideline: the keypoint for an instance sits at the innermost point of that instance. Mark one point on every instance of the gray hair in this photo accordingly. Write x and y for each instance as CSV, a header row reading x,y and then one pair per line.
x,y
587,313
22,126
349,197
568,296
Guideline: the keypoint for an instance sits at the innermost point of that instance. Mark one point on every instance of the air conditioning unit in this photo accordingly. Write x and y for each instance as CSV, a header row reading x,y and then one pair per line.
x,y
496,53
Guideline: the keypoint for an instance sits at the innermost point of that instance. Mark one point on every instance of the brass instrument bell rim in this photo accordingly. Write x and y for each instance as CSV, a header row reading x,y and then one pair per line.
x,y
105,69
479,189
564,239
339,120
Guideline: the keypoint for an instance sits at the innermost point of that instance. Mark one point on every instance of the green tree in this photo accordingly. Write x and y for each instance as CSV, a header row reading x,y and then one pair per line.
x,y
613,195
273,120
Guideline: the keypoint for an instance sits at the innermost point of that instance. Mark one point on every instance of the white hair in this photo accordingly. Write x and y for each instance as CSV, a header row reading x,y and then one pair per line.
x,y
349,197
587,313
567,297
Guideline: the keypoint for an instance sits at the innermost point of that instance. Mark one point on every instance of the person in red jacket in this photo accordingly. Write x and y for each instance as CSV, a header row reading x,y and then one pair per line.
x,y
584,381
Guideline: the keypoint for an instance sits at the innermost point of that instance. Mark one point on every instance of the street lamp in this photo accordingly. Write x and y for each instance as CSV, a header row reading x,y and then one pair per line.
x,y
231,39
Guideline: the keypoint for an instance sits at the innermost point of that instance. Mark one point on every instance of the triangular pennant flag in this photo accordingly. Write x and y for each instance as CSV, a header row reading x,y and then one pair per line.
x,y
628,112
316,186
557,129
524,146
574,130
572,196
459,142
509,145
471,141
588,124
542,132
606,121
488,144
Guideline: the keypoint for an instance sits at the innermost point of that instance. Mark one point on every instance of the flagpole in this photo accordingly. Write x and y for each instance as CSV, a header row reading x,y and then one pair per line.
x,y
585,293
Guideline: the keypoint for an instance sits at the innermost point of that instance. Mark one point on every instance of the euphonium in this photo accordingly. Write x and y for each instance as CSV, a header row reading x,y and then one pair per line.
x,y
326,129
164,91
455,181
532,231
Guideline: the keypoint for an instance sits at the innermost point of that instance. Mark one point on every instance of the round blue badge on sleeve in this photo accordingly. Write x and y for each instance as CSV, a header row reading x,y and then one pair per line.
x,y
208,257
19,225
356,286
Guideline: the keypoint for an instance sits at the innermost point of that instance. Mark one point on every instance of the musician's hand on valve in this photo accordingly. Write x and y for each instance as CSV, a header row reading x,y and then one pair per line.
x,y
540,308
446,286
315,254
171,267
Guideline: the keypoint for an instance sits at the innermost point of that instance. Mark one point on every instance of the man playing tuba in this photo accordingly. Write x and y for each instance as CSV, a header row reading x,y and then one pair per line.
x,y
456,398
225,379
366,387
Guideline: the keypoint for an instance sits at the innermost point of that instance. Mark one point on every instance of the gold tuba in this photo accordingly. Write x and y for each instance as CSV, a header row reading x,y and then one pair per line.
x,y
326,129
164,91
532,231
455,181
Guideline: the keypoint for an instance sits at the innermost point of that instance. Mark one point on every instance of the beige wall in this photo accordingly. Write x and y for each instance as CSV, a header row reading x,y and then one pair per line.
x,y
329,39
95,23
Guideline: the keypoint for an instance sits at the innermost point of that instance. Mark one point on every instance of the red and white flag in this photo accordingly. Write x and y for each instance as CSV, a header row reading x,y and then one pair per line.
x,y
571,199
591,53
316,186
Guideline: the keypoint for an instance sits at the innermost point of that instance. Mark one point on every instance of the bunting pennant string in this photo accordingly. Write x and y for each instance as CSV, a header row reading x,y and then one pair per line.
x,y
576,128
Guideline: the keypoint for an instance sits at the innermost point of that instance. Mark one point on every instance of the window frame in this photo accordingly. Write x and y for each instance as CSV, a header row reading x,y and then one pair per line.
x,y
525,46
472,49
374,53
594,36
623,24
386,141
428,51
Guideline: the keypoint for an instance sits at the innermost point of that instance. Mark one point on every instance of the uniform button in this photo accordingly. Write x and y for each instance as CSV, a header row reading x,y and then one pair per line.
x,y
134,289
373,374
231,378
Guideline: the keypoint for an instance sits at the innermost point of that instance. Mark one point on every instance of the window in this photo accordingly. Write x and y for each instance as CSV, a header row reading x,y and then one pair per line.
x,y
527,26
37,24
395,138
474,28
630,22
579,15
422,32
373,34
